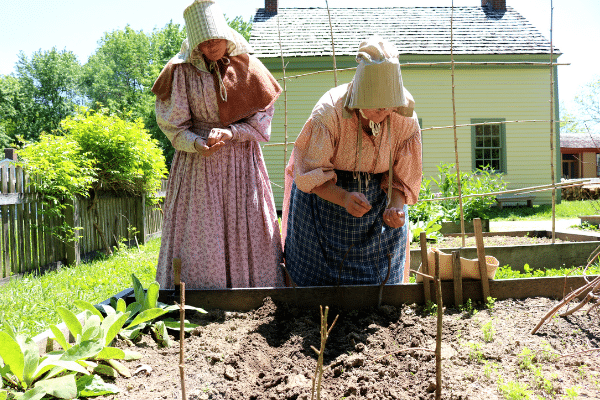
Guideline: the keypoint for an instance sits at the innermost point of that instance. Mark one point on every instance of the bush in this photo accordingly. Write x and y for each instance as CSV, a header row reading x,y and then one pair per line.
x,y
473,182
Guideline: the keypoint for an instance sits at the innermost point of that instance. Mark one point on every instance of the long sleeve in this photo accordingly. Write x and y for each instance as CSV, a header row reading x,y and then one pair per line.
x,y
408,164
173,115
313,156
255,128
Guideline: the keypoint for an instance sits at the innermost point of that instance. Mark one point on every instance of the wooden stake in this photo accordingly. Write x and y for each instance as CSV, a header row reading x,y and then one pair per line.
x,y
425,265
485,284
324,335
457,274
182,340
438,341
177,277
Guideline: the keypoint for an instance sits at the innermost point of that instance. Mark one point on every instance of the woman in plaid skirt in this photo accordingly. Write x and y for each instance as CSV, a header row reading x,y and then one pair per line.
x,y
355,167
215,104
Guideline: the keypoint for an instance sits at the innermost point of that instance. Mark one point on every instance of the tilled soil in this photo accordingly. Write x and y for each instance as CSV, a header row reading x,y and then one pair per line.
x,y
386,353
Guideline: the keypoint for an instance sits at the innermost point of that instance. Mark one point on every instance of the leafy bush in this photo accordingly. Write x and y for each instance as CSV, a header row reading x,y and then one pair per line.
x,y
473,182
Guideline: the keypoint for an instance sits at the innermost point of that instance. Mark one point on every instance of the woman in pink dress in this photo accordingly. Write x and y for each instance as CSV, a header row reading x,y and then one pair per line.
x,y
215,104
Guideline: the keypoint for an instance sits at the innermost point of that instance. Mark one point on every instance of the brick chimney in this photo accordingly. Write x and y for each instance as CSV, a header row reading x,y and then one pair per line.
x,y
272,6
499,5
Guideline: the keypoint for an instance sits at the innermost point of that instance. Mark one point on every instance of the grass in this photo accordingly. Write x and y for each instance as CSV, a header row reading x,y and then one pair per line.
x,y
29,304
564,210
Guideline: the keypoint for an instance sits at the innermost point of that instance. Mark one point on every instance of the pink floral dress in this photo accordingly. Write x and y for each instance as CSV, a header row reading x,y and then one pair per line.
x,y
219,212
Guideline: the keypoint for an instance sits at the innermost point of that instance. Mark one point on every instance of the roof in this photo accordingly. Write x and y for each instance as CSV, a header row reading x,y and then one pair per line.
x,y
414,30
570,140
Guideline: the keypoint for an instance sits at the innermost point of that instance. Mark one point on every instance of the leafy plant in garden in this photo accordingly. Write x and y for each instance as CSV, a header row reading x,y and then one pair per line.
x,y
472,182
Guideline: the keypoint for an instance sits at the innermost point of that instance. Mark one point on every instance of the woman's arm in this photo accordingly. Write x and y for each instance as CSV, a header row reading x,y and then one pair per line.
x,y
355,203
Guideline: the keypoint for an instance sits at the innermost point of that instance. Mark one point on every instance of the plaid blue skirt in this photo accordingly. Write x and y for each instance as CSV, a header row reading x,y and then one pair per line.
x,y
326,246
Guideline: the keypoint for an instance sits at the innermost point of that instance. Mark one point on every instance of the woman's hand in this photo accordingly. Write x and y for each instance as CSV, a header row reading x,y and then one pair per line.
x,y
217,135
356,204
394,217
206,151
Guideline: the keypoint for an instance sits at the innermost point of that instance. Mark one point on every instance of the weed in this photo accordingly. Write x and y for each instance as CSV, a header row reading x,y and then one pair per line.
x,y
542,382
475,352
430,308
547,352
468,308
489,368
525,358
488,332
490,303
572,393
515,391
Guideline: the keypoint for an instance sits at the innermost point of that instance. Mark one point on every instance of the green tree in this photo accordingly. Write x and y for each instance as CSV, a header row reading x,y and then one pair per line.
x,y
11,101
48,91
569,122
588,101
243,27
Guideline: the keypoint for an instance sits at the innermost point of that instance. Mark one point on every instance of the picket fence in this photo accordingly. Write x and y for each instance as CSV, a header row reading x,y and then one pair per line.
x,y
26,244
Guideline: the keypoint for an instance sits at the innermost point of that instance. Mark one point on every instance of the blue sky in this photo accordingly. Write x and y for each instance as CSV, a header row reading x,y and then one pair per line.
x,y
76,25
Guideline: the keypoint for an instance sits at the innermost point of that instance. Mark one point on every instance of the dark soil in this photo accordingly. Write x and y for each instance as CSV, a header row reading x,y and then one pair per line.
x,y
371,353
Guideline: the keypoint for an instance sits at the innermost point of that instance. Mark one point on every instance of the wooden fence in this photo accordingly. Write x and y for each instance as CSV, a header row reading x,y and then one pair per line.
x,y
26,242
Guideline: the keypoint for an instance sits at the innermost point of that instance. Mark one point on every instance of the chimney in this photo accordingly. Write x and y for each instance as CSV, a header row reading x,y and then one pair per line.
x,y
272,6
499,5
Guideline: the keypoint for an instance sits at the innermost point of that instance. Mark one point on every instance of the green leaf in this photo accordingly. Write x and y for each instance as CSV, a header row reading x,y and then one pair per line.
x,y
138,290
83,351
146,315
108,353
33,394
105,370
121,369
91,328
112,325
93,385
121,306
63,387
161,335
11,354
3,394
49,364
84,305
108,310
176,325
151,296
134,308
70,321
59,337
31,354
132,355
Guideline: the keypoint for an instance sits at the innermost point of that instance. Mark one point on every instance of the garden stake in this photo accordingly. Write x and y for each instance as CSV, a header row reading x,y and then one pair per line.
x,y
324,335
180,287
438,340
181,340
425,264
457,275
485,284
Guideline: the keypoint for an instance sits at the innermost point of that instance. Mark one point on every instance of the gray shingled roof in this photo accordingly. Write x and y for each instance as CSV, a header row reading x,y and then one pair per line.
x,y
580,140
414,30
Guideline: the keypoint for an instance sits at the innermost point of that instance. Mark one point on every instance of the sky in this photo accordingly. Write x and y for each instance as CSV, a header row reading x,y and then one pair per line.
x,y
77,25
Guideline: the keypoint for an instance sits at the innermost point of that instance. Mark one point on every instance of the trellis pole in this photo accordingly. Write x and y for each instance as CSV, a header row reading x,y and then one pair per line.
x,y
552,129
332,46
285,123
458,183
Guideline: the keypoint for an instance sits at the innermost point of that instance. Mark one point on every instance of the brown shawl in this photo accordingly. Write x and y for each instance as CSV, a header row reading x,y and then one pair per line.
x,y
250,87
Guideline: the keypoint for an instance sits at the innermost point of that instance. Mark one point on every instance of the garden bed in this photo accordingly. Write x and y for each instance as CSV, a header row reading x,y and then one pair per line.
x,y
517,248
375,354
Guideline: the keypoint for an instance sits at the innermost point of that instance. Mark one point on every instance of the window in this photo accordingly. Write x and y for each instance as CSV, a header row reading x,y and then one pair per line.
x,y
597,164
488,144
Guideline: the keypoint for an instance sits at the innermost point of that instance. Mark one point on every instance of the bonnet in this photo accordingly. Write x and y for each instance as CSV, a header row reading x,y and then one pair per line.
x,y
377,82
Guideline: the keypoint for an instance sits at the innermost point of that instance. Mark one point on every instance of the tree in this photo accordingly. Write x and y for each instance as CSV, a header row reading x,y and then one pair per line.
x,y
588,101
10,102
48,92
244,28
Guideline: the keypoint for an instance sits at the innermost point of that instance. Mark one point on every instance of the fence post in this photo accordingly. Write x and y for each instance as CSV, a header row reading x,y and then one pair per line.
x,y
140,215
73,220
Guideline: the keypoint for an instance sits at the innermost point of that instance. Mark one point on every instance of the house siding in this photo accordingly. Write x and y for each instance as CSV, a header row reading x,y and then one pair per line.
x,y
506,92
